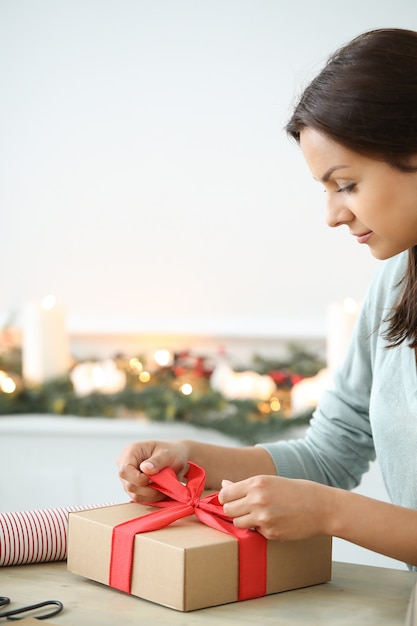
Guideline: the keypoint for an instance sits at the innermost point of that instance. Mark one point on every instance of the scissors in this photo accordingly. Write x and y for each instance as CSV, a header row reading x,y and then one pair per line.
x,y
4,601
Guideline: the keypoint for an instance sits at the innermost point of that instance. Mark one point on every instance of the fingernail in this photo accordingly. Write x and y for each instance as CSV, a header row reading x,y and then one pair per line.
x,y
147,465
226,482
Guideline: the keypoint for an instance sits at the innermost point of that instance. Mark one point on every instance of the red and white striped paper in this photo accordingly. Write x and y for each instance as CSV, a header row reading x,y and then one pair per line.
x,y
36,536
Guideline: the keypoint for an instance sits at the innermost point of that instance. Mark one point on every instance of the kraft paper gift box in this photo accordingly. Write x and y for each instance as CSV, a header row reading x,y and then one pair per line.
x,y
187,564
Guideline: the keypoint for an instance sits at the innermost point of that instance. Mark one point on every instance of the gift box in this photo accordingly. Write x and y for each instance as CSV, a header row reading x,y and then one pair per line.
x,y
188,555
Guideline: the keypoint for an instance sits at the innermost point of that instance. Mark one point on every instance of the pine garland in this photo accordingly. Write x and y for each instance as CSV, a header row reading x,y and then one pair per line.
x,y
161,399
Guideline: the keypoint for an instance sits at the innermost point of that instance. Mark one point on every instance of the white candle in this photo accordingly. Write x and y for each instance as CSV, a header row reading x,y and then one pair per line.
x,y
341,317
45,345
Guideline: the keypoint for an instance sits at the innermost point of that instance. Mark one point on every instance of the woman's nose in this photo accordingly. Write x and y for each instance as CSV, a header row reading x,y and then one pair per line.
x,y
337,212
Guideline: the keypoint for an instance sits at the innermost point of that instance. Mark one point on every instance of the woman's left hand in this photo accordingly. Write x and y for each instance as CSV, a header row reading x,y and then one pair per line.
x,y
279,508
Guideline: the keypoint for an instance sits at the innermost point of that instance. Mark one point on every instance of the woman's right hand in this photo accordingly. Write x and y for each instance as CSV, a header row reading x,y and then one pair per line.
x,y
139,461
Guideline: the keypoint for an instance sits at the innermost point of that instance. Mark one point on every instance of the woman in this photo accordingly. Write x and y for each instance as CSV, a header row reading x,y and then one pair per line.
x,y
356,124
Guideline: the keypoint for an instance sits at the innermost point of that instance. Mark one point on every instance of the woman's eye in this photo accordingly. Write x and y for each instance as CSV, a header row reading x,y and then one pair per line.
x,y
347,188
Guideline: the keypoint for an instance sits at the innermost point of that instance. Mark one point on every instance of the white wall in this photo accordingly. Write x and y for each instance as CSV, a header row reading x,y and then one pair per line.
x,y
144,172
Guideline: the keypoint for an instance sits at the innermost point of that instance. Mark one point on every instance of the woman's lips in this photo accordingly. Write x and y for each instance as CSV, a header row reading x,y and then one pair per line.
x,y
364,237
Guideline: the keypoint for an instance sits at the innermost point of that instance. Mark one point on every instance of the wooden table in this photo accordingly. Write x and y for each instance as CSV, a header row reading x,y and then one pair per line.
x,y
357,595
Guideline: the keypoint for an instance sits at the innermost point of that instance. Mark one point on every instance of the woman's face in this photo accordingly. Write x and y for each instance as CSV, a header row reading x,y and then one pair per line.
x,y
376,202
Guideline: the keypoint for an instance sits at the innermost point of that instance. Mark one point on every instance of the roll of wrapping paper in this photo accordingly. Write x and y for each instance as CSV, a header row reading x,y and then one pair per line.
x,y
36,536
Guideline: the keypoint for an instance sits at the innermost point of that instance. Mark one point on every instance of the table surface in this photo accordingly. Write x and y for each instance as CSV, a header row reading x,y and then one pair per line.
x,y
357,594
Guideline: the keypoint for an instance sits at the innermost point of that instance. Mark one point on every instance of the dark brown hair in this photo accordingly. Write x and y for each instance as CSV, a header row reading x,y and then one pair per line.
x,y
365,98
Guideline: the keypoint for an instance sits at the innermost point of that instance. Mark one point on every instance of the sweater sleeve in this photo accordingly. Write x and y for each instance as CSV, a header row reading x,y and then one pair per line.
x,y
338,445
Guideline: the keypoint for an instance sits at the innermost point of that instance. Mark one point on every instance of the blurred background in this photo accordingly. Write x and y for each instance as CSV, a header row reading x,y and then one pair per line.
x,y
147,184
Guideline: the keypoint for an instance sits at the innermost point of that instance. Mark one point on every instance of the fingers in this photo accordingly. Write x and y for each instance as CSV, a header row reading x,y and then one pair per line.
x,y
135,483
138,462
235,503
255,503
233,498
230,492
134,472
278,508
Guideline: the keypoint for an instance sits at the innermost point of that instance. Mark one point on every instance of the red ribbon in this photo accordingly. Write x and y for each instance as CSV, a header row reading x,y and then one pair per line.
x,y
184,501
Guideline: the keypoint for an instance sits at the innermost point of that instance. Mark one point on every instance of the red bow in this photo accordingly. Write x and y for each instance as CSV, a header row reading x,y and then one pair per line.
x,y
185,501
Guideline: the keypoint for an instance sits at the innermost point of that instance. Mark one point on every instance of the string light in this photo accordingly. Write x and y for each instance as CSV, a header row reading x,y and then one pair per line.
x,y
144,377
275,404
136,365
163,358
186,389
264,407
7,384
